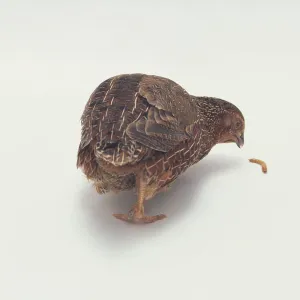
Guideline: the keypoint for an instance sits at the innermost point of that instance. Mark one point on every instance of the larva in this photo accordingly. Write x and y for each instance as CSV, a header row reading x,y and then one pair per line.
x,y
261,163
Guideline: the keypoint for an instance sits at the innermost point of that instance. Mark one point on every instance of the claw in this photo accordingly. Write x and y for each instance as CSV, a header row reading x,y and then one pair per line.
x,y
152,219
121,217
139,219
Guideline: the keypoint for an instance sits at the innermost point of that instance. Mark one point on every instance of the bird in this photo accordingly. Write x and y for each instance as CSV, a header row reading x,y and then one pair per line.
x,y
141,132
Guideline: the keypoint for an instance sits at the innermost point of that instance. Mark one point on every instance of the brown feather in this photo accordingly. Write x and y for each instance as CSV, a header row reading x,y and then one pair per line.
x,y
143,122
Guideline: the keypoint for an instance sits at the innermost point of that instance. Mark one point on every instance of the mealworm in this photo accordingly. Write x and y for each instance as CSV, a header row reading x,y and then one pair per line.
x,y
261,163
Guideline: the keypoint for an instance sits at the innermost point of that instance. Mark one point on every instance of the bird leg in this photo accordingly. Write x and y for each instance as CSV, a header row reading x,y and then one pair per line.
x,y
136,214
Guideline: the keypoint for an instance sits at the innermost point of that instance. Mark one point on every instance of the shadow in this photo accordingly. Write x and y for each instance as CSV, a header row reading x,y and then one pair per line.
x,y
183,195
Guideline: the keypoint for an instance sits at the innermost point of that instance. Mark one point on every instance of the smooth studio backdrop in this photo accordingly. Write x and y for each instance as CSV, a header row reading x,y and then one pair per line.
x,y
232,232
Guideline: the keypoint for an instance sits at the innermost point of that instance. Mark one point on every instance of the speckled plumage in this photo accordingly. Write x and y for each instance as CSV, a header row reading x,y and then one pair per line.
x,y
146,127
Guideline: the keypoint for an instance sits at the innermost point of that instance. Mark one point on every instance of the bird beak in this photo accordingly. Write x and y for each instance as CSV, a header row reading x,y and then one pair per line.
x,y
240,140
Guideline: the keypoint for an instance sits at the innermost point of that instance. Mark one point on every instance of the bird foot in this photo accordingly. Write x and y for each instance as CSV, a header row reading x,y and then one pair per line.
x,y
137,216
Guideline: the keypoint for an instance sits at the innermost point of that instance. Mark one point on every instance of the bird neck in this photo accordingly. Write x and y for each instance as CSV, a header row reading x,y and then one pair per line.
x,y
209,112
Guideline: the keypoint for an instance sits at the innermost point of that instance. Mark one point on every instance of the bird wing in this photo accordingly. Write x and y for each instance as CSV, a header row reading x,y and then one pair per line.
x,y
130,116
170,118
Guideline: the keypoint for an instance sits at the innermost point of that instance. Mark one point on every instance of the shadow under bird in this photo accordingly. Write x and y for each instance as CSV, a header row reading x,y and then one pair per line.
x,y
142,131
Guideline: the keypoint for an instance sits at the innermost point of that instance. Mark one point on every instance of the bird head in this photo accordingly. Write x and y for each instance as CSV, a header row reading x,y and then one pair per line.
x,y
233,127
221,118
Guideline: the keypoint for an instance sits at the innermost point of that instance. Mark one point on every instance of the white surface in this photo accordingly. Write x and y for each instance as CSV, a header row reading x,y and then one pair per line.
x,y
231,233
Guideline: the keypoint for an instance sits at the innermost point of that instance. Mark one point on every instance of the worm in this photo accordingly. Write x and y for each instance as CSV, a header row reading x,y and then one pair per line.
x,y
261,163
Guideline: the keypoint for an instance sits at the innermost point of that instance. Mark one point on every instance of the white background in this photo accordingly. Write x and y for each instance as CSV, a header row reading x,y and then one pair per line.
x,y
232,232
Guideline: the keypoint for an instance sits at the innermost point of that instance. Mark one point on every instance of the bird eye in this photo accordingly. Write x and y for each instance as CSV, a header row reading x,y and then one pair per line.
x,y
237,124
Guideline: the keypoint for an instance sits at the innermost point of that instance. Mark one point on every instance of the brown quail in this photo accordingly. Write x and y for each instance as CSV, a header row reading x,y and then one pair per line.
x,y
142,131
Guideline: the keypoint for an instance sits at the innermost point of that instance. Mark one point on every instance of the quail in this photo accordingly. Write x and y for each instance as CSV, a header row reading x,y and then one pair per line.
x,y
142,131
